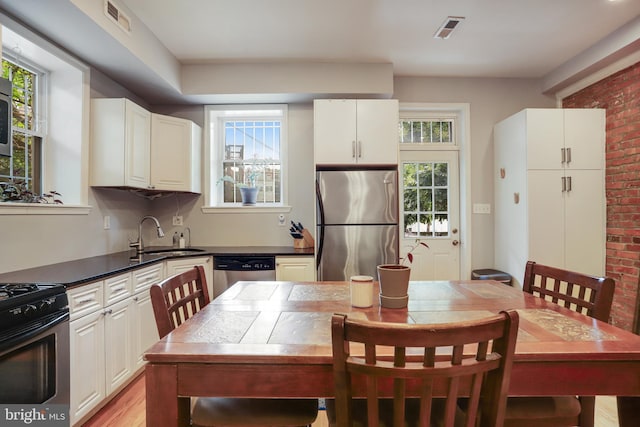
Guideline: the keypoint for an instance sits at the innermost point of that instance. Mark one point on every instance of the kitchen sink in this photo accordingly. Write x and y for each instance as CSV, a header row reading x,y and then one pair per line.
x,y
172,252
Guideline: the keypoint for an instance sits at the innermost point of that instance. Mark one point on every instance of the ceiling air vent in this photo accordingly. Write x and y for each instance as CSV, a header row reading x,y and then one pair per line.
x,y
445,30
122,20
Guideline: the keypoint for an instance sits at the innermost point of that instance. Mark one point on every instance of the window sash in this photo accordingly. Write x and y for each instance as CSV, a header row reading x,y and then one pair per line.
x,y
243,139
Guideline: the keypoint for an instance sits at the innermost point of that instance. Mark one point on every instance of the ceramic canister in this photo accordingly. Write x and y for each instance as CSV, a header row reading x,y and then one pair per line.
x,y
361,288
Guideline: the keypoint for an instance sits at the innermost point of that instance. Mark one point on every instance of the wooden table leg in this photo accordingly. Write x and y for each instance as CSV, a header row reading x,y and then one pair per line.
x,y
628,411
164,408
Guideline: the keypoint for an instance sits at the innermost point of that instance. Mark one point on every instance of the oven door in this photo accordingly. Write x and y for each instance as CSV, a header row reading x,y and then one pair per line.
x,y
34,361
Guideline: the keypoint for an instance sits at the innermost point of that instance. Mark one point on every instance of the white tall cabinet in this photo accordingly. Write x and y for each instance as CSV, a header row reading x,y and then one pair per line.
x,y
355,131
550,204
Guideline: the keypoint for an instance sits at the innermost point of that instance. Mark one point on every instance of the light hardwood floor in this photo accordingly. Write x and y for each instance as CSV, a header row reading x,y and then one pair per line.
x,y
127,409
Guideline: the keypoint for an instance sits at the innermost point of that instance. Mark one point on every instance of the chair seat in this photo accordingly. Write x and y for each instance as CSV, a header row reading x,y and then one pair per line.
x,y
542,411
212,411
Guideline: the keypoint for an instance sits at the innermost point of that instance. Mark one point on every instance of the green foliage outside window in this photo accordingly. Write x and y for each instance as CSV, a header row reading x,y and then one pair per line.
x,y
23,165
426,198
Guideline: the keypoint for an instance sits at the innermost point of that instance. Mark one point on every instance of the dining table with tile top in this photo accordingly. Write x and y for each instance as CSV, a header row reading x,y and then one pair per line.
x,y
273,340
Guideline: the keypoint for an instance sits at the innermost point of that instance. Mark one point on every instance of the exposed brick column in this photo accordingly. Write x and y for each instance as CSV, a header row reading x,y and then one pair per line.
x,y
619,94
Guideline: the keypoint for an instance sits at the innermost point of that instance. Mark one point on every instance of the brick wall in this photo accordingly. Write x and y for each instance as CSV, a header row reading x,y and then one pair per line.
x,y
619,94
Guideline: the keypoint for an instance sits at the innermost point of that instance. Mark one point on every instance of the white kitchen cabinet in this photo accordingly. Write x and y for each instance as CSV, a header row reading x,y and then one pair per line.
x,y
178,265
111,326
549,190
87,364
120,144
295,268
175,154
145,332
118,344
131,147
348,131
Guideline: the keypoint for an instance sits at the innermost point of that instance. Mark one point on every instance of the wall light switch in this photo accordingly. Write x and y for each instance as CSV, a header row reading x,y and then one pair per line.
x,y
106,222
481,208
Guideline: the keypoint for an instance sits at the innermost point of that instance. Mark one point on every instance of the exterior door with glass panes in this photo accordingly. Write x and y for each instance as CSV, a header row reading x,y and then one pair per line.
x,y
430,213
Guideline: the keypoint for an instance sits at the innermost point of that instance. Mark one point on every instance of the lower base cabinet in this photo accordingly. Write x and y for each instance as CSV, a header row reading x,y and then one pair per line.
x,y
295,268
108,341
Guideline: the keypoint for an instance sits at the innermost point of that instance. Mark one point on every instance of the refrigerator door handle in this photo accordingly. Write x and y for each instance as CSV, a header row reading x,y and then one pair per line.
x,y
320,225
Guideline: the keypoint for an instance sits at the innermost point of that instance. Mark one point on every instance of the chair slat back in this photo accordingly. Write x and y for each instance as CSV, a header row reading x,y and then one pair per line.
x,y
589,295
427,361
178,297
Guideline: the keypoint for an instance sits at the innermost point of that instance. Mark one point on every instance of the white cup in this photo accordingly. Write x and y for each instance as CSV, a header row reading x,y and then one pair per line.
x,y
361,291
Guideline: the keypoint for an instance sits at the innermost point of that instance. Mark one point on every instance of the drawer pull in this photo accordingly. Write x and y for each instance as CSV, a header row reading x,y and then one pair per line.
x,y
81,302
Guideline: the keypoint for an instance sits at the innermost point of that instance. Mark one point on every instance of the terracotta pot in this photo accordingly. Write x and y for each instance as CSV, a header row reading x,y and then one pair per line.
x,y
394,280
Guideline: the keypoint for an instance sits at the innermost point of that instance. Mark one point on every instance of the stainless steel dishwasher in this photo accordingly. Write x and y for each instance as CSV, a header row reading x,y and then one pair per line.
x,y
229,269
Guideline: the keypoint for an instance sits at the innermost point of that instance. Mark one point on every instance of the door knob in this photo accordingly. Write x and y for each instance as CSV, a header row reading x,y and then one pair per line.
x,y
454,231
455,243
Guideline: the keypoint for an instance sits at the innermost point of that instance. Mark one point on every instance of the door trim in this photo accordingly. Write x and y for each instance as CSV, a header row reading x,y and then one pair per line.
x,y
463,113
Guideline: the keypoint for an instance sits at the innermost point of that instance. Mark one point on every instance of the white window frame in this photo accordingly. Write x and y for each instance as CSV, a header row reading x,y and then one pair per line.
x,y
214,154
66,130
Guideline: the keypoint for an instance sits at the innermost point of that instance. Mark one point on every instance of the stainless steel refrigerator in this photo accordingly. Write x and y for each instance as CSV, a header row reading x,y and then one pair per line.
x,y
357,221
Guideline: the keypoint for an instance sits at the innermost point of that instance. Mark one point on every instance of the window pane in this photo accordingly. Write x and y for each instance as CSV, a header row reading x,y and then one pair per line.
x,y
441,174
425,174
426,131
426,199
410,200
252,158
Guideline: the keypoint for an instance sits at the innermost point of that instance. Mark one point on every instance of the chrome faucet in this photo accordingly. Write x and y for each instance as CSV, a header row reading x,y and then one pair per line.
x,y
139,246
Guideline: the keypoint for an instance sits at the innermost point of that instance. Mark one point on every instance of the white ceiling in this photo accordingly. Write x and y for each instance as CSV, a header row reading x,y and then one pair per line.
x,y
498,38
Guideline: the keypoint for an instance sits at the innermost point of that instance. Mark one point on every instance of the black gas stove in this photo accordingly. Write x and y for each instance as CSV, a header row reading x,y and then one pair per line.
x,y
23,302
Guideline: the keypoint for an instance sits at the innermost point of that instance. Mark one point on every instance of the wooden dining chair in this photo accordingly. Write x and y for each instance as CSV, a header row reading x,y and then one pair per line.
x,y
585,294
402,360
174,301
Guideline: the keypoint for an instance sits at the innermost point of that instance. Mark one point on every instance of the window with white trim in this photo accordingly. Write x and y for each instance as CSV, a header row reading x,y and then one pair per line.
x,y
425,185
426,131
62,93
24,165
246,149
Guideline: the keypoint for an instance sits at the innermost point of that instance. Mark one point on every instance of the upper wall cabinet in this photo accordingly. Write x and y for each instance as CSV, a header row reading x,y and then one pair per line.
x,y
175,154
350,131
130,147
120,144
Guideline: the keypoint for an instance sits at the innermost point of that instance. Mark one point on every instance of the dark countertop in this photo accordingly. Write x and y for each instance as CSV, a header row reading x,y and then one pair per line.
x,y
81,271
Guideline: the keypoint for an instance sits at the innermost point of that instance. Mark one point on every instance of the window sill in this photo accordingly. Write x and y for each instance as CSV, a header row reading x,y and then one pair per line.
x,y
10,208
245,209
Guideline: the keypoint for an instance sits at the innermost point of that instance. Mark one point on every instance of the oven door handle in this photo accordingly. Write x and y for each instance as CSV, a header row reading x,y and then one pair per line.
x,y
24,333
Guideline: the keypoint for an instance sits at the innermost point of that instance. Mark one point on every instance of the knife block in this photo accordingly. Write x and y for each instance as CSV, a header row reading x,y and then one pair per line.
x,y
306,241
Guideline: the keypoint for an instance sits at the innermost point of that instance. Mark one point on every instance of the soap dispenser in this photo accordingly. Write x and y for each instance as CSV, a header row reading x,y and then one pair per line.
x,y
181,241
176,240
